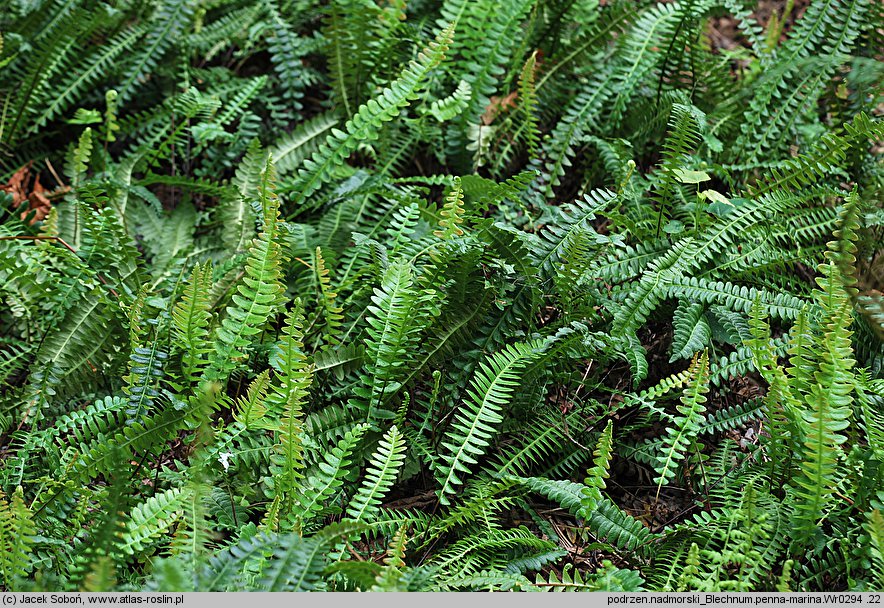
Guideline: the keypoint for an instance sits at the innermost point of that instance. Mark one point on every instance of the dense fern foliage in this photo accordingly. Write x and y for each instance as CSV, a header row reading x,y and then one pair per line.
x,y
556,295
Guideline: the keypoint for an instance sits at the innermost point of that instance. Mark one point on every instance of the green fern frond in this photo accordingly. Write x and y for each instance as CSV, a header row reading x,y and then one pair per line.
x,y
490,581
288,395
259,295
681,436
691,331
191,318
451,107
490,391
829,398
321,484
875,529
151,520
382,471
330,308
365,124
17,531
168,21
595,477
528,104
608,579
291,150
452,213
398,314
575,223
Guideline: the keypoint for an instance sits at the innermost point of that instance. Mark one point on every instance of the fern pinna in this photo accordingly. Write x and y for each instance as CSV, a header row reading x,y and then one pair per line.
x,y
447,296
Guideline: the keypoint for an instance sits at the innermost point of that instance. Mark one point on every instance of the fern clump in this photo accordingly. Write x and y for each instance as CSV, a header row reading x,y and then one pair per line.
x,y
441,296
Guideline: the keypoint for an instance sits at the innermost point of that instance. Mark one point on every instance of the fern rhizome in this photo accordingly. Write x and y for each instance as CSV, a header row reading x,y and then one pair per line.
x,y
441,296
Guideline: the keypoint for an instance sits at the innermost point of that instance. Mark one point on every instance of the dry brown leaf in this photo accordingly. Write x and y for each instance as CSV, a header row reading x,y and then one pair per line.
x,y
16,185
34,195
498,105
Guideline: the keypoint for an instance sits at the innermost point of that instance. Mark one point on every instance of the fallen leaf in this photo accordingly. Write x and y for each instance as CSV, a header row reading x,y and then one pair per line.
x,y
498,105
34,196
16,185
687,176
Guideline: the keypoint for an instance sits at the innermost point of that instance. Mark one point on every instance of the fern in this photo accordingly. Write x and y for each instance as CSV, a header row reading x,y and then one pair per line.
x,y
326,480
828,398
582,277
190,322
595,480
151,519
609,579
379,477
692,332
490,391
259,295
681,436
396,315
366,122
17,524
288,393
169,20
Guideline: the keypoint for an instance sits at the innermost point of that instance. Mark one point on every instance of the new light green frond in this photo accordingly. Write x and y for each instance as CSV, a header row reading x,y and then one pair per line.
x,y
17,531
595,477
289,391
875,529
322,483
331,308
191,318
448,108
528,104
828,402
259,294
452,213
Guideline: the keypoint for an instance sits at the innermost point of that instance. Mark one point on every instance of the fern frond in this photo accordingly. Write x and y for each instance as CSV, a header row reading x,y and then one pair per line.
x,y
291,150
490,391
17,531
686,427
330,308
397,315
321,484
528,103
828,400
452,213
575,223
691,332
289,392
608,579
365,124
382,470
168,21
151,519
191,317
595,477
259,295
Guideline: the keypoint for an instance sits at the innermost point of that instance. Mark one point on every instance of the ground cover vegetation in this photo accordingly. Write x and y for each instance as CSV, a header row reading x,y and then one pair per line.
x,y
539,295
